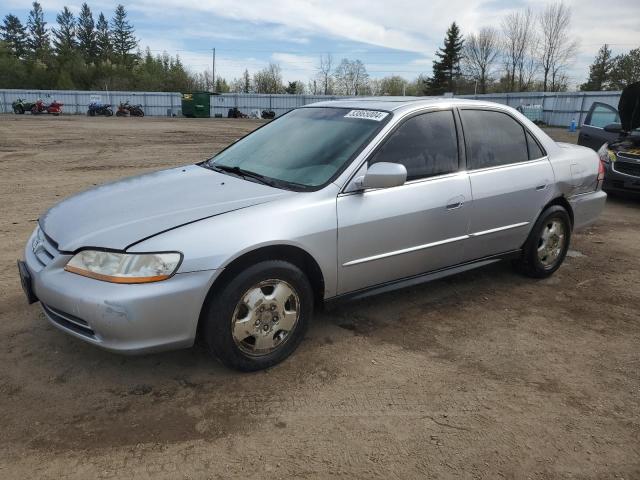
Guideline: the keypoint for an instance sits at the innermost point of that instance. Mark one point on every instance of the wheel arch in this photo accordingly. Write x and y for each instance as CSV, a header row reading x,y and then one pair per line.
x,y
562,202
290,253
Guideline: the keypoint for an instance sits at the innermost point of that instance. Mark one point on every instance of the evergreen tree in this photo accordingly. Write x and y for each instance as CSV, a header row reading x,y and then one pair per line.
x,y
599,71
103,39
625,69
64,37
122,36
14,35
446,69
86,33
246,82
38,39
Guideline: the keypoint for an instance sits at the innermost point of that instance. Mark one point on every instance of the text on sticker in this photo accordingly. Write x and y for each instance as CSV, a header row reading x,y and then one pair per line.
x,y
367,115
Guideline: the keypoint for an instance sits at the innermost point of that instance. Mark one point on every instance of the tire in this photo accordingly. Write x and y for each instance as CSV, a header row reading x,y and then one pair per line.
x,y
120,114
547,245
109,112
246,315
19,110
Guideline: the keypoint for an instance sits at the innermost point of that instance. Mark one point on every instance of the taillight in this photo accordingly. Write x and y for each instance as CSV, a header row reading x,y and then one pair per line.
x,y
601,170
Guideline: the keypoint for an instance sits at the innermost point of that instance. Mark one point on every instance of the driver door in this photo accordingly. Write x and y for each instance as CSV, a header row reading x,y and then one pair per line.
x,y
592,133
392,233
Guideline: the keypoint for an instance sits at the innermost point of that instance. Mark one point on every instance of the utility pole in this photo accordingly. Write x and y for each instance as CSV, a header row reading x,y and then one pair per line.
x,y
213,71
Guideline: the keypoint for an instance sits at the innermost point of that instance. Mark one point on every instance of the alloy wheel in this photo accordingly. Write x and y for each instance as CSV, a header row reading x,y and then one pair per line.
x,y
265,316
551,243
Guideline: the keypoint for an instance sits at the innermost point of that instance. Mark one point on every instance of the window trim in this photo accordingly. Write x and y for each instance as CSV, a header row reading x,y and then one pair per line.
x,y
524,129
404,120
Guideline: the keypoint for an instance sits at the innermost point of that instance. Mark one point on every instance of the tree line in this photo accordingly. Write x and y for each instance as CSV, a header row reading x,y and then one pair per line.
x,y
526,52
83,53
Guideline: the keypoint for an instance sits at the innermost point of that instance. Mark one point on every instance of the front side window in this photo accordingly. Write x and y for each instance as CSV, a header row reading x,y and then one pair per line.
x,y
493,139
602,115
426,145
305,148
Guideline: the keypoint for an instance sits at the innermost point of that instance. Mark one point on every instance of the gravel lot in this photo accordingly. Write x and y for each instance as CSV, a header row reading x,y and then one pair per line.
x,y
483,375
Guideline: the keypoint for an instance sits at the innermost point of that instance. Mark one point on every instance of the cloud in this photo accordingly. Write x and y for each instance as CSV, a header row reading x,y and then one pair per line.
x,y
399,36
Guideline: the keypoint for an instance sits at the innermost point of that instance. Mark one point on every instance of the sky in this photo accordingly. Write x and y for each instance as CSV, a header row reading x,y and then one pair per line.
x,y
391,37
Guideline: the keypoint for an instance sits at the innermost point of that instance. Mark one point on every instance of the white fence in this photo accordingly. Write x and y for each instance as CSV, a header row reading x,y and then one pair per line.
x,y
557,108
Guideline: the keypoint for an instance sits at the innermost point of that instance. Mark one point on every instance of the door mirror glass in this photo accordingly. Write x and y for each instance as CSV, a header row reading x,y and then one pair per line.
x,y
613,128
383,175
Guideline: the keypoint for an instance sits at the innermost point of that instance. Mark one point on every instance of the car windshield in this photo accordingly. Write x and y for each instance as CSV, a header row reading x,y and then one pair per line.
x,y
305,148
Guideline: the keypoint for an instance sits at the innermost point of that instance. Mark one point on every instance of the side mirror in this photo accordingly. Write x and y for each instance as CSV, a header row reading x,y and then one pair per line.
x,y
383,175
613,128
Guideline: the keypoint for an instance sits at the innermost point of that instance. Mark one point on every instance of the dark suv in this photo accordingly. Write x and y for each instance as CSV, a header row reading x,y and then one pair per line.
x,y
615,135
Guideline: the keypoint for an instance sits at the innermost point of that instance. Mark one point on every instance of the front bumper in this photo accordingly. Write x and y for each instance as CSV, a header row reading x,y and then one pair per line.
x,y
121,318
616,181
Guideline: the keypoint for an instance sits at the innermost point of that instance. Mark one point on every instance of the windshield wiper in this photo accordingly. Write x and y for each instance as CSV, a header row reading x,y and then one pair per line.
x,y
243,173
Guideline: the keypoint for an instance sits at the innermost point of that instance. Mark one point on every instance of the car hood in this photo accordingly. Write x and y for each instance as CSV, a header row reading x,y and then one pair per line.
x,y
629,107
117,215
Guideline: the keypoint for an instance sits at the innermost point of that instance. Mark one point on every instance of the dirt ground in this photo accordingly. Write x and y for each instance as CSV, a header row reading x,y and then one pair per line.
x,y
482,375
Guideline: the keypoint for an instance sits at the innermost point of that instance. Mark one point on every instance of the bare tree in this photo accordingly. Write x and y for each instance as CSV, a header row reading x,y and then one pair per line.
x,y
324,74
479,54
556,46
351,77
517,31
269,79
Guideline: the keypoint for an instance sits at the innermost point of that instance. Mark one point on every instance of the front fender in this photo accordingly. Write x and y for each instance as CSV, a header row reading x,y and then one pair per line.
x,y
305,220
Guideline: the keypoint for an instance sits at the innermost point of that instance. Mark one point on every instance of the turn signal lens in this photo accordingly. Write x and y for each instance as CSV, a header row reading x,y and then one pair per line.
x,y
124,267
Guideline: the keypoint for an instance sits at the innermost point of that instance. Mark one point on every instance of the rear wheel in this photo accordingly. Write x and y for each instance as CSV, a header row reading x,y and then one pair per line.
x,y
259,317
19,110
547,245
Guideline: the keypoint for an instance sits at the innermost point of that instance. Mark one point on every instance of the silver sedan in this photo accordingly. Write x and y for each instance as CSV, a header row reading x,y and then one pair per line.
x,y
331,201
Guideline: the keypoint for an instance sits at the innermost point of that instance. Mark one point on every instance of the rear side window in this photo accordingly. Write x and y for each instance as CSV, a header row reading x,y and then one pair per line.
x,y
535,151
426,145
493,139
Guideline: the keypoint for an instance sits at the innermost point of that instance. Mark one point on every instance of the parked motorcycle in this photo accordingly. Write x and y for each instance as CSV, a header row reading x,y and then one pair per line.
x,y
97,108
20,106
54,108
127,110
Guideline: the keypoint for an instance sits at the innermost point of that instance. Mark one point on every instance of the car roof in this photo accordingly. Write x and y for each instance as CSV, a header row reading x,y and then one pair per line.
x,y
391,104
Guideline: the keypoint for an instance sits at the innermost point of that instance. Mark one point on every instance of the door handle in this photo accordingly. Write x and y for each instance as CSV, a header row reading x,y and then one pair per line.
x,y
455,202
541,187
586,135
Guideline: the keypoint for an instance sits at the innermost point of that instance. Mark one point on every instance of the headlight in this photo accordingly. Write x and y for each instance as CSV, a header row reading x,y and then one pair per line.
x,y
606,155
124,267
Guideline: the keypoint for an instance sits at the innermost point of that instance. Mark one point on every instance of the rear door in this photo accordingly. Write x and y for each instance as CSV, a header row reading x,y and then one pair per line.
x,y
592,133
510,178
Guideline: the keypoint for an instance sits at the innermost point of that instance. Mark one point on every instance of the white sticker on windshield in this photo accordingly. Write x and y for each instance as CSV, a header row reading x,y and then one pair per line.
x,y
367,115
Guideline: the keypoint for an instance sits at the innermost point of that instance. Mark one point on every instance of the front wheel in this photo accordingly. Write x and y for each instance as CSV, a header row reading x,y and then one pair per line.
x,y
547,245
259,317
19,110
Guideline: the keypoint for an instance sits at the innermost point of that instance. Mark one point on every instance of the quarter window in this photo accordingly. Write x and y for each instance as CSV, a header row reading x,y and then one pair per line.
x,y
535,151
426,145
493,139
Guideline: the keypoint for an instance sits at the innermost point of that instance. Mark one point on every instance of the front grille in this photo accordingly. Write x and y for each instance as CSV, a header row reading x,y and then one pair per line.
x,y
44,248
629,155
69,322
628,168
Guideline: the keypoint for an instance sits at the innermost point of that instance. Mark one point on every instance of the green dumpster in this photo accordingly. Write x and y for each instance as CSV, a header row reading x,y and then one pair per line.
x,y
196,104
